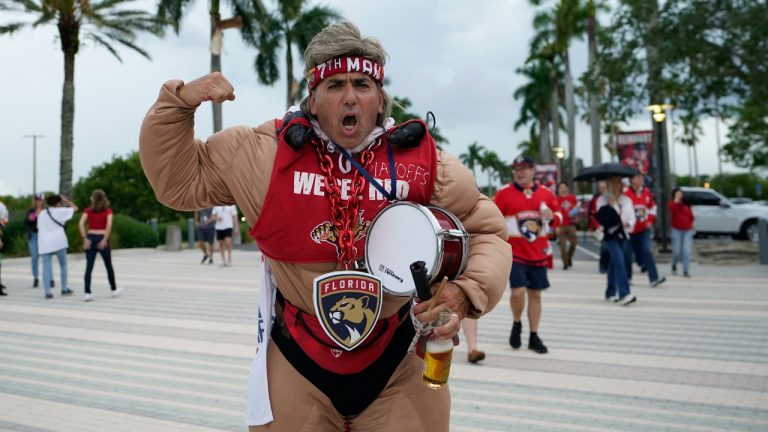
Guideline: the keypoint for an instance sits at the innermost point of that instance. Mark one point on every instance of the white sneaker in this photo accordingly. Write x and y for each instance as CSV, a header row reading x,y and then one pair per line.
x,y
88,297
627,299
116,292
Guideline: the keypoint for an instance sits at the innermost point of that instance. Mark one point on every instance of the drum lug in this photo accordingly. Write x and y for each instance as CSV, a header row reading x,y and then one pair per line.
x,y
455,233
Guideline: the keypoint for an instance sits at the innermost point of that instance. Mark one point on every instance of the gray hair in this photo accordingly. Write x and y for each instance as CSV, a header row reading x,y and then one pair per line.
x,y
344,39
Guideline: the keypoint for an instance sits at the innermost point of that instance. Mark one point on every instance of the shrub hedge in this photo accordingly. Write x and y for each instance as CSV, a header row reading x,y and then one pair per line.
x,y
126,233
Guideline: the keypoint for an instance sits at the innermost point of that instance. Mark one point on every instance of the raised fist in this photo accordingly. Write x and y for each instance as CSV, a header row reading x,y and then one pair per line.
x,y
212,87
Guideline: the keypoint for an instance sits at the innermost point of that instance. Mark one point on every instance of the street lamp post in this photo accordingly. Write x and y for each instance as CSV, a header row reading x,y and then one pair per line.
x,y
661,170
559,154
34,161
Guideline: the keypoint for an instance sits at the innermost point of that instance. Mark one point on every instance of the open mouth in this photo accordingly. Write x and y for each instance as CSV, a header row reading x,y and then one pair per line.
x,y
349,122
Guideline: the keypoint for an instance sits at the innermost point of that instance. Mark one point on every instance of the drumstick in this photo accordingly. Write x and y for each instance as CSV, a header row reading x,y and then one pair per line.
x,y
419,275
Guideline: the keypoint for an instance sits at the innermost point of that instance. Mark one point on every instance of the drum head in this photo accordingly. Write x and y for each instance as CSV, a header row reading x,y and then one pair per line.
x,y
401,234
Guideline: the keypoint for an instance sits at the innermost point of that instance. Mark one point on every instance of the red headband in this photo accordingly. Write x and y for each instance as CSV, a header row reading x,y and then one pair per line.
x,y
345,65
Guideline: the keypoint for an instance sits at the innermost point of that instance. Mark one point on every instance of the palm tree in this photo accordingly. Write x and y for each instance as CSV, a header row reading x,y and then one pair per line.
x,y
245,16
556,29
592,7
291,26
536,99
472,157
490,163
105,23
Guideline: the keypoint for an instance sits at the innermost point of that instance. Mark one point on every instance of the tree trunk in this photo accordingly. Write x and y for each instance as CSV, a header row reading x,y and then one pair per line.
x,y
594,116
217,36
290,94
695,164
544,148
554,116
67,123
570,107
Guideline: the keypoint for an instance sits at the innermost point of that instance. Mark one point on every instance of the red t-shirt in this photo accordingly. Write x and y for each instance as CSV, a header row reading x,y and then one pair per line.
x,y
645,208
527,233
97,220
567,204
682,216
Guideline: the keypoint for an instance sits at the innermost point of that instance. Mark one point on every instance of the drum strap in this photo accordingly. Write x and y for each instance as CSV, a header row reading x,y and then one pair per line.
x,y
349,393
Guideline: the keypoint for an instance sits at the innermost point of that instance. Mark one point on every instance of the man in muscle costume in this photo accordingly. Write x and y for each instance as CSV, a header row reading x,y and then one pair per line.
x,y
309,203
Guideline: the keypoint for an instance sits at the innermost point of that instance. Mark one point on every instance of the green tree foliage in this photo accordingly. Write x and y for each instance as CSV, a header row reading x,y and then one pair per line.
x,y
291,26
472,157
106,23
707,57
128,190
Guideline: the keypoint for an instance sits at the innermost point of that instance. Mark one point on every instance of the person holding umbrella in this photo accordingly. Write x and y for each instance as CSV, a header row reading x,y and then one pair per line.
x,y
616,214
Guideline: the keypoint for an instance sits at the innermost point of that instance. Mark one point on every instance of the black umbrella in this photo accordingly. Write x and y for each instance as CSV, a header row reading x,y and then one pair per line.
x,y
605,171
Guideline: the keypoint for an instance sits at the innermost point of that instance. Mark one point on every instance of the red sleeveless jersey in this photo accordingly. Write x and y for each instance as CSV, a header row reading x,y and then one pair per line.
x,y
527,232
295,221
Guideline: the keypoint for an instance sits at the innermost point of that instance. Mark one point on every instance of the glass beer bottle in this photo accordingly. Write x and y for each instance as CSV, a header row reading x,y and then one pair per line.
x,y
437,363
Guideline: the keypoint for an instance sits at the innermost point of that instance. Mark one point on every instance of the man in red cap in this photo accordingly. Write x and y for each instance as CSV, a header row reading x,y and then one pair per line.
x,y
532,212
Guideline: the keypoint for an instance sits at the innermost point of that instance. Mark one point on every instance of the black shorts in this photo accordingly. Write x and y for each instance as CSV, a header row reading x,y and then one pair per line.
x,y
532,277
206,234
222,234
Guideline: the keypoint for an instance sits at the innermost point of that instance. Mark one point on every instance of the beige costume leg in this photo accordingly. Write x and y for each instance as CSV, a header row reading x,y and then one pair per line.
x,y
406,404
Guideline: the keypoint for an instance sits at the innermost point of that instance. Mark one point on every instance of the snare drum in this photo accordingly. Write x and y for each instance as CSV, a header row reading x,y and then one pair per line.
x,y
405,232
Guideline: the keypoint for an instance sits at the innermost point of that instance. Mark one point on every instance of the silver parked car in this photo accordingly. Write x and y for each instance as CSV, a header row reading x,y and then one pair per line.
x,y
716,214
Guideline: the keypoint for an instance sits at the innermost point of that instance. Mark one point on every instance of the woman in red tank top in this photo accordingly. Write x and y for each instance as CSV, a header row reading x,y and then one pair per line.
x,y
98,217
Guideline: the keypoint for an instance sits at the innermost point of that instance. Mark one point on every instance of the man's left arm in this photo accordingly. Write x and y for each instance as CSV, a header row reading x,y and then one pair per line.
x,y
482,284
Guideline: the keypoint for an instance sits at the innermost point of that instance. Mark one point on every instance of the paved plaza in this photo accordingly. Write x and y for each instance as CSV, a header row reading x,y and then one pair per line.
x,y
173,352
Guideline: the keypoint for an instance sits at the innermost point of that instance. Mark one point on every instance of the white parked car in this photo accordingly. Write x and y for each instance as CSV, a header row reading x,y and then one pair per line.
x,y
716,214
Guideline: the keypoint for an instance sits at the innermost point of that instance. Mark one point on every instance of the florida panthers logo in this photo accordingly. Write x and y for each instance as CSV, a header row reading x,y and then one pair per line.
x,y
326,232
530,228
352,316
348,304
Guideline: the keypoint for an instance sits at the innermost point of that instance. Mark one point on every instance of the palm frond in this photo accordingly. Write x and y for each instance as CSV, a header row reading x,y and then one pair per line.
x,y
172,11
100,41
12,27
311,22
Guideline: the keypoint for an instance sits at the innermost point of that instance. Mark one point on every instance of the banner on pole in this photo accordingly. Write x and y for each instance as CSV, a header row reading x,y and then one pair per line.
x,y
635,149
546,175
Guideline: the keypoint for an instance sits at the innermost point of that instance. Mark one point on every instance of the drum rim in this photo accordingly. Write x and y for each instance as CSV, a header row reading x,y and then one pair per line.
x,y
439,245
464,242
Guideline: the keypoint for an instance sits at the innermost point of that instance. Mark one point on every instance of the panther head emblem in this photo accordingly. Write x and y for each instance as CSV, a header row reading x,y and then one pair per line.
x,y
326,232
529,228
354,315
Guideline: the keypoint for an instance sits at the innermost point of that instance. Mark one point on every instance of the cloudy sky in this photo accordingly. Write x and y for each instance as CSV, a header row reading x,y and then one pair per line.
x,y
455,58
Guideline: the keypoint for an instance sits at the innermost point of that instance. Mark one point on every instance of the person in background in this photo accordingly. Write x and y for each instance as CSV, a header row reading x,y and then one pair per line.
x,y
682,232
31,220
531,210
226,219
566,232
469,327
98,217
3,223
597,229
52,240
617,217
640,236
206,231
